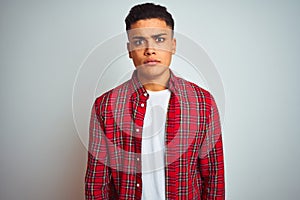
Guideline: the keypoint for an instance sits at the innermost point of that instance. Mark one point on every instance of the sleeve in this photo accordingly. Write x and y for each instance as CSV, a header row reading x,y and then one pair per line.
x,y
97,178
211,161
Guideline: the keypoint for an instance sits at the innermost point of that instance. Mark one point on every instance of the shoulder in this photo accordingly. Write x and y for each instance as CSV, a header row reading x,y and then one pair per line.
x,y
195,90
103,101
205,100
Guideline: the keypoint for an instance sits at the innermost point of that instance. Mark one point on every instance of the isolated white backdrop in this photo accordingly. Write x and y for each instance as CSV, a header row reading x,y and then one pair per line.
x,y
255,48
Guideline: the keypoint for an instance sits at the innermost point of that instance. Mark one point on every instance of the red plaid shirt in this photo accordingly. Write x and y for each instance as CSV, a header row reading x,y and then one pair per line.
x,y
194,167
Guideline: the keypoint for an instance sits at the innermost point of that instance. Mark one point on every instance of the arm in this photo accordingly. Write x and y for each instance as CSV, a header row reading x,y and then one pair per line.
x,y
211,161
97,172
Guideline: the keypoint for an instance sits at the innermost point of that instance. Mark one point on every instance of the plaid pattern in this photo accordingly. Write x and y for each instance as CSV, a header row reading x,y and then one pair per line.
x,y
193,144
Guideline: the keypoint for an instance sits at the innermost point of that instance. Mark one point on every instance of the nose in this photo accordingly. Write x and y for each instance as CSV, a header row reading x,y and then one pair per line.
x,y
149,50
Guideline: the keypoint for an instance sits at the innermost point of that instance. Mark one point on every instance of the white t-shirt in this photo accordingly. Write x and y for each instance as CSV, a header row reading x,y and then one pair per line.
x,y
153,145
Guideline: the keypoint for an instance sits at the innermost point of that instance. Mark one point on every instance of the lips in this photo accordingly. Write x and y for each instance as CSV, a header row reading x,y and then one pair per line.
x,y
151,62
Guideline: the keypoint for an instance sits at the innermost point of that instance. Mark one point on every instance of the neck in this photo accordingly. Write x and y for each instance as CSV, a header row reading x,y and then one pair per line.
x,y
155,83
154,87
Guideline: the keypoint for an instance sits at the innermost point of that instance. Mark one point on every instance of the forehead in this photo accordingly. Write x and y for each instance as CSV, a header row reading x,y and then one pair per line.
x,y
149,27
153,22
149,32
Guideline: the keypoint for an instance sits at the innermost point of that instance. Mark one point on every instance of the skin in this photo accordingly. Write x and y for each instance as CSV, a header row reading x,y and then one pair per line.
x,y
151,46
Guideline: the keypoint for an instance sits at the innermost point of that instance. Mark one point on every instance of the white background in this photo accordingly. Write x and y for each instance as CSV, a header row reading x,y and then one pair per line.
x,y
254,45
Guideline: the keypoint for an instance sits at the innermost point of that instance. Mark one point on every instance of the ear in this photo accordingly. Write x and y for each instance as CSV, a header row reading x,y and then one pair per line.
x,y
173,45
128,49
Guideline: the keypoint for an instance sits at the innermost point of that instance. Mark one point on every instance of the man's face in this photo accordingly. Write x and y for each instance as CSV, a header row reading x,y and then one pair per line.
x,y
151,45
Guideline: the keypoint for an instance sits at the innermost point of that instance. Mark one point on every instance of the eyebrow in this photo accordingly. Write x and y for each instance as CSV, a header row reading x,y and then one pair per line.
x,y
153,36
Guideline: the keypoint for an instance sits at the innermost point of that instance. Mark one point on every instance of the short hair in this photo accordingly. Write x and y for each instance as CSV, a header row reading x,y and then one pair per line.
x,y
148,11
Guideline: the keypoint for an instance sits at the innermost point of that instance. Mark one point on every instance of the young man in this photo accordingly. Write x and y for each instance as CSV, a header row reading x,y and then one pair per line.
x,y
156,136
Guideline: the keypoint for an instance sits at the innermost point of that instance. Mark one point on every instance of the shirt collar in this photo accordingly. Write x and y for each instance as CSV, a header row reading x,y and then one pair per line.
x,y
139,89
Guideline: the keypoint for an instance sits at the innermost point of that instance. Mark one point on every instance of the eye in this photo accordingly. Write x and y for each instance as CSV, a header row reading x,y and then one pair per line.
x,y
138,42
160,39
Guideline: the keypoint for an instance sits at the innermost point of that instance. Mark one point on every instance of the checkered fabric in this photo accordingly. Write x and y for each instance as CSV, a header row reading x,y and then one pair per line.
x,y
194,166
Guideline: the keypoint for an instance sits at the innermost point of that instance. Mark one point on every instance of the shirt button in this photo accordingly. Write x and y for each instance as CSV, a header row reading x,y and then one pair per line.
x,y
145,94
142,105
138,159
138,185
137,130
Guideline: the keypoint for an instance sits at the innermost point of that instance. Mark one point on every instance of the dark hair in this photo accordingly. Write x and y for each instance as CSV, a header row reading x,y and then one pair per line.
x,y
148,11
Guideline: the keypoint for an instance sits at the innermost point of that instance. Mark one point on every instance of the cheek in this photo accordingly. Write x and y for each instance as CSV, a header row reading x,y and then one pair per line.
x,y
167,56
136,57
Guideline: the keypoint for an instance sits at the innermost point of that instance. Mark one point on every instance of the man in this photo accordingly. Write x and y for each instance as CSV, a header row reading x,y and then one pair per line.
x,y
156,136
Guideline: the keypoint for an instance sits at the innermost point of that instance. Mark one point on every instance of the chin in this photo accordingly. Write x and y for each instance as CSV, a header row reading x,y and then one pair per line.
x,y
152,72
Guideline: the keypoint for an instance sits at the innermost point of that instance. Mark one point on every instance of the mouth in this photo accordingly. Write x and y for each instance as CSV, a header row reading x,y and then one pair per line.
x,y
151,62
